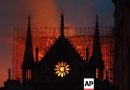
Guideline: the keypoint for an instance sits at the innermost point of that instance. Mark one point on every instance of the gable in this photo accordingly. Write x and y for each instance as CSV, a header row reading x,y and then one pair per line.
x,y
62,51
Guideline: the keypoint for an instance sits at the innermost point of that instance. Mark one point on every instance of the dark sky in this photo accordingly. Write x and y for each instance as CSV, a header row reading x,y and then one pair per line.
x,y
46,12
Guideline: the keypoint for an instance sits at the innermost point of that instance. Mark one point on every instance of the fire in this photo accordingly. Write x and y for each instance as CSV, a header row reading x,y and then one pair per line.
x,y
79,42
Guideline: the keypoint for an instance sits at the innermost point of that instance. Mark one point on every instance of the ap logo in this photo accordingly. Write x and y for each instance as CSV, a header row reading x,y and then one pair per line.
x,y
88,84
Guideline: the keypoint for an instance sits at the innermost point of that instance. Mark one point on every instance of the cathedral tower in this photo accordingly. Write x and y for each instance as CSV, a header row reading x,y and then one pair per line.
x,y
62,25
28,60
96,62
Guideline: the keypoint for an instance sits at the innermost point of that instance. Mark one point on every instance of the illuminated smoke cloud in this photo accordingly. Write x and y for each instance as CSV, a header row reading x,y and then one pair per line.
x,y
43,12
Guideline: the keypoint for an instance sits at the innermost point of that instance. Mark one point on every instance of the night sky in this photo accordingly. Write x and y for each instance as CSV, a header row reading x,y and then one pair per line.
x,y
13,13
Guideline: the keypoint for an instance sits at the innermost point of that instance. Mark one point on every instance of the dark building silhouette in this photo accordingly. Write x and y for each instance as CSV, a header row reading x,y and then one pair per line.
x,y
11,84
28,60
122,44
62,68
96,63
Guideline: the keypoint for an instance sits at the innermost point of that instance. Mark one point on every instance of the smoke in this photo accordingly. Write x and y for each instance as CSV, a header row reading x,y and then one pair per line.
x,y
43,12
15,13
5,61
77,12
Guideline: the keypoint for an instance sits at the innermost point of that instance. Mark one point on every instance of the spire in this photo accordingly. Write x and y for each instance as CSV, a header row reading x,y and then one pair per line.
x,y
97,24
28,53
96,42
29,45
97,53
62,25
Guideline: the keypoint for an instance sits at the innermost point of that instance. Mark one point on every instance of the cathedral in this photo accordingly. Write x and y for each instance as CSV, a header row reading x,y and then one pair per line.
x,y
61,68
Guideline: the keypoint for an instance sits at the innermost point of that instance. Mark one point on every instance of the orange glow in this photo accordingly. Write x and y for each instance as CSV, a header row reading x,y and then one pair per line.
x,y
28,74
97,72
45,39
107,43
44,12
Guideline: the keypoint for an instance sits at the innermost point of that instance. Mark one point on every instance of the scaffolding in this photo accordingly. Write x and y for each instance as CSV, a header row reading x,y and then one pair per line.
x,y
79,37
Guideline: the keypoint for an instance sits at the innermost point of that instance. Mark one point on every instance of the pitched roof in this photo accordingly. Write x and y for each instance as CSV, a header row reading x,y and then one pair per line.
x,y
63,49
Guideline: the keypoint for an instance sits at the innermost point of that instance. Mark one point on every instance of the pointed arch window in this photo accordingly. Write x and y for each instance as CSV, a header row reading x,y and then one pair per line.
x,y
28,74
97,73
